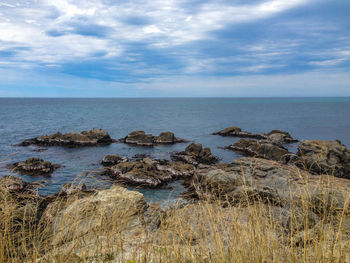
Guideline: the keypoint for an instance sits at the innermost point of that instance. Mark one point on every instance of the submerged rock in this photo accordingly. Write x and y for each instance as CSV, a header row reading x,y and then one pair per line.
x,y
272,150
195,154
85,138
324,157
140,138
235,131
35,166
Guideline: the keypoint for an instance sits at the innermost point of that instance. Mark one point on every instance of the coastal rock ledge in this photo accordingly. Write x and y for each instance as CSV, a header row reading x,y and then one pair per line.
x,y
92,137
140,138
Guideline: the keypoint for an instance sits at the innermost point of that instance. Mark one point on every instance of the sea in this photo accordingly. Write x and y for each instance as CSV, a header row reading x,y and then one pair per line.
x,y
193,119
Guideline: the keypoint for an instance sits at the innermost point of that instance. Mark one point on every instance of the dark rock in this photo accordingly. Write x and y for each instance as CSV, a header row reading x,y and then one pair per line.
x,y
324,157
35,166
86,138
195,154
263,149
235,131
140,138
110,160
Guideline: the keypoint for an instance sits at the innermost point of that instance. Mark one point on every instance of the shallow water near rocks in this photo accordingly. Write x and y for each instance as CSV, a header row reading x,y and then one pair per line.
x,y
189,118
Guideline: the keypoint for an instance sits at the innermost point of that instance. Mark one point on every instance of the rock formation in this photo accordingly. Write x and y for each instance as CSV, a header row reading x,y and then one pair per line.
x,y
148,173
140,138
93,137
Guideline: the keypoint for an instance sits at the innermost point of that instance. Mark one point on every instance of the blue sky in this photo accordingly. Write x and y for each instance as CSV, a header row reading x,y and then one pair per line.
x,y
134,48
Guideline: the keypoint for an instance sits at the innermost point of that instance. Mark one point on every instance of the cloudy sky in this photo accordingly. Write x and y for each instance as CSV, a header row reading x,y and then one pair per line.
x,y
134,48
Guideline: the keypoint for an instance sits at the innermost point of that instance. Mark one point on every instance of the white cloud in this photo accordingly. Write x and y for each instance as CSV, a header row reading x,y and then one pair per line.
x,y
26,24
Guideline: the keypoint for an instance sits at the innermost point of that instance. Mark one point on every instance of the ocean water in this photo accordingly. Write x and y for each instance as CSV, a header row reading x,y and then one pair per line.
x,y
189,118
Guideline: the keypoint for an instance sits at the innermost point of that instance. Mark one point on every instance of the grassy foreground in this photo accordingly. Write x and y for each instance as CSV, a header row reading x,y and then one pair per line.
x,y
205,231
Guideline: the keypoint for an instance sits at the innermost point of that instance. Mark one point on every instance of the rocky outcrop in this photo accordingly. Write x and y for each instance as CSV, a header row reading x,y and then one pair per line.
x,y
195,154
35,166
329,157
235,131
268,149
140,138
93,137
248,180
148,173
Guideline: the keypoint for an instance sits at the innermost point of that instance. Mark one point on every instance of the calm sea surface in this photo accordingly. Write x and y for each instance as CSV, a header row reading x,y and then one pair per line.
x,y
192,119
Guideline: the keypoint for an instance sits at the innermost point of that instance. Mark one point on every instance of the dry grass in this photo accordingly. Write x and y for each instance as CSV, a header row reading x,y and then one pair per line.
x,y
205,231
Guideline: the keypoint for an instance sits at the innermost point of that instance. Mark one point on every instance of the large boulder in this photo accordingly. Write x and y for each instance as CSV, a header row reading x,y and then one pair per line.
x,y
329,157
140,138
85,138
35,166
235,131
111,221
272,150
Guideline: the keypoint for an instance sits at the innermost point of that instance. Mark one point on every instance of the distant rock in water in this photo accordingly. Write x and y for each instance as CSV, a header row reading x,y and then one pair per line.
x,y
85,138
267,149
195,154
16,185
35,166
235,131
140,138
324,157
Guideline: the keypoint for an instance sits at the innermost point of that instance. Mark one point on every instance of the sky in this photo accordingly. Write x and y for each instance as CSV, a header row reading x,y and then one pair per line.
x,y
168,48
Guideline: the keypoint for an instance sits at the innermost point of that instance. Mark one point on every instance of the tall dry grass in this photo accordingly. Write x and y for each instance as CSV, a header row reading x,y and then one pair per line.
x,y
306,230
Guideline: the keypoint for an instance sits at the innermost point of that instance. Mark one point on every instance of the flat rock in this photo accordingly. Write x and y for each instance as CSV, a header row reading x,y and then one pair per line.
x,y
195,154
235,131
268,149
140,138
93,137
330,157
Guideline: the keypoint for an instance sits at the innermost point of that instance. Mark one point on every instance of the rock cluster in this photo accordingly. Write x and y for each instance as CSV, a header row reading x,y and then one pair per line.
x,y
329,157
35,166
195,154
85,138
235,131
148,173
140,138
